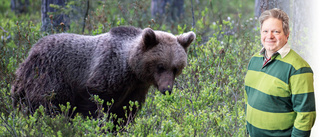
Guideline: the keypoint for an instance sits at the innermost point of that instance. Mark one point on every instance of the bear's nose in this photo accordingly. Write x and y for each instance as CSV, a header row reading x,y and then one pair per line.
x,y
165,90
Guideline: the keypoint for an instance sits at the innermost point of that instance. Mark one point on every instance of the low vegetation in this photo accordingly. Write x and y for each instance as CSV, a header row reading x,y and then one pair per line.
x,y
207,99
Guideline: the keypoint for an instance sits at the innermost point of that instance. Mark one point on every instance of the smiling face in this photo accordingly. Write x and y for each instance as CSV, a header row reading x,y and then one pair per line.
x,y
273,37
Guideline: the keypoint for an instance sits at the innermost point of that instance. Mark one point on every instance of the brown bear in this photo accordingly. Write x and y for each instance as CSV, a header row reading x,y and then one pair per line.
x,y
120,65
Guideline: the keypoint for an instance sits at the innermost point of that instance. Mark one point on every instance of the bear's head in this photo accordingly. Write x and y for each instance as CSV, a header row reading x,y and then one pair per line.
x,y
160,57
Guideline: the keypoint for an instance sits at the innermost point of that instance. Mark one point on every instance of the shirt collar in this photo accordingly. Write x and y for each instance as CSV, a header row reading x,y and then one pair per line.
x,y
283,51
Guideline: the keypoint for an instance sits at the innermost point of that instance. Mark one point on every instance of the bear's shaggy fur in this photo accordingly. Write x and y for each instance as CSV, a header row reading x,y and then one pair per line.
x,y
120,65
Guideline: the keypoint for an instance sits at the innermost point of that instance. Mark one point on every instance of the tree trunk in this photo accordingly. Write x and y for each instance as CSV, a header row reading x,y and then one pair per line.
x,y
19,7
300,24
53,23
262,5
170,10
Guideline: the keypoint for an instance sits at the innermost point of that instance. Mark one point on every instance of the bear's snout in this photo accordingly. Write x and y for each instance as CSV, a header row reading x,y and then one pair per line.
x,y
163,91
165,82
164,86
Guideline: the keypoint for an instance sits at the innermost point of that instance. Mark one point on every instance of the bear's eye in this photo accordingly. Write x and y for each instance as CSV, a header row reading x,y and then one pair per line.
x,y
160,68
175,71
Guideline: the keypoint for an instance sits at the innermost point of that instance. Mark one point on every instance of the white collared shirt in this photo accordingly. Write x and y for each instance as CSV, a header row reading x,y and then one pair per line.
x,y
283,51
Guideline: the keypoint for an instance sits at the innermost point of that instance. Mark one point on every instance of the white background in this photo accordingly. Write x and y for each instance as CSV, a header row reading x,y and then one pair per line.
x,y
315,61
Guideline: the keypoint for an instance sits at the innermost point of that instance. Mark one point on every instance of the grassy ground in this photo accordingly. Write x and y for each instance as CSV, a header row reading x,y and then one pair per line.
x,y
207,99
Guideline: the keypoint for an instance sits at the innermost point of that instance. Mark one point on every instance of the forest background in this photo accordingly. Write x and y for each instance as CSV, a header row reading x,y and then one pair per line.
x,y
208,97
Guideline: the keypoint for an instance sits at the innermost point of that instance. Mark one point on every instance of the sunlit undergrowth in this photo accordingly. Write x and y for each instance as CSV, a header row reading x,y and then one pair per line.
x,y
207,99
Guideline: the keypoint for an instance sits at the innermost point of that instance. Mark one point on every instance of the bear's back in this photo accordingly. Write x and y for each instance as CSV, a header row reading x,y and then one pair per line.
x,y
122,32
70,54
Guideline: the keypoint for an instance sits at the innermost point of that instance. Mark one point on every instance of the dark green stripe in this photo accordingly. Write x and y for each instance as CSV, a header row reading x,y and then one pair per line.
x,y
268,103
302,70
304,102
257,132
276,68
299,133
255,63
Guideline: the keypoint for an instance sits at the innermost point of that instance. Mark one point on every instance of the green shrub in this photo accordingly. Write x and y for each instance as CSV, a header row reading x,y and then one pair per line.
x,y
207,99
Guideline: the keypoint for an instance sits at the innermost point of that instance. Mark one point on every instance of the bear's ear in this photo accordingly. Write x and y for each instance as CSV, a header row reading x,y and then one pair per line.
x,y
149,39
186,39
